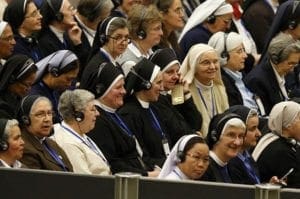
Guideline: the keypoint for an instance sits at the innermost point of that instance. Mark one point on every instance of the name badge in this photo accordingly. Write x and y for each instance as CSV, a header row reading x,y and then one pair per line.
x,y
166,146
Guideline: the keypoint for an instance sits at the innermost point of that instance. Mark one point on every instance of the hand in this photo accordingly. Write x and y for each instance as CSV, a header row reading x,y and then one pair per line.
x,y
276,180
153,173
75,34
186,86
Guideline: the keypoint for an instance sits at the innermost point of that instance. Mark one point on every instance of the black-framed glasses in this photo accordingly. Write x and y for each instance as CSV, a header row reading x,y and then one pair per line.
x,y
120,38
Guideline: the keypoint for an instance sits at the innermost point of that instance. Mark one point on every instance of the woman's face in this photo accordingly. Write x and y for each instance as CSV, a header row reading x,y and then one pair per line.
x,y
7,42
170,77
230,143
173,18
237,57
114,98
90,113
253,133
196,161
32,21
41,118
22,87
117,42
157,86
207,67
16,143
154,34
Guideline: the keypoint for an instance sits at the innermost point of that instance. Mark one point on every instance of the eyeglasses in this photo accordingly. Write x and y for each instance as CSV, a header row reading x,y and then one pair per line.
x,y
35,13
239,51
43,114
198,158
120,38
179,10
9,38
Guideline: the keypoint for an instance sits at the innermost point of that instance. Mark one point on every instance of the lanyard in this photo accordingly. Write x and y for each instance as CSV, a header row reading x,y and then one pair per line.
x,y
156,124
212,102
54,155
50,93
88,142
120,123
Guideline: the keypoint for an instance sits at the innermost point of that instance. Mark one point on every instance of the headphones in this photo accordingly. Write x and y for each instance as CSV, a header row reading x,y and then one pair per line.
x,y
180,155
55,70
145,84
103,30
3,145
224,53
141,33
293,142
292,23
99,87
211,19
216,131
24,118
78,115
58,15
276,58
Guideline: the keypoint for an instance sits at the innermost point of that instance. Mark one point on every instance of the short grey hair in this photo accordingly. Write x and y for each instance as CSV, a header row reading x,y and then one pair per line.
x,y
73,100
281,47
9,125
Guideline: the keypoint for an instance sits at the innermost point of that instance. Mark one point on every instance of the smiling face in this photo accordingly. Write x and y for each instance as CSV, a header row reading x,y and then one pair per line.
x,y
153,94
170,77
117,42
230,143
207,67
114,98
32,21
173,18
253,133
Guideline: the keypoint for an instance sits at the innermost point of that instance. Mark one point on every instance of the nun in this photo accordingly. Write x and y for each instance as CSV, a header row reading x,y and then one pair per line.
x,y
11,144
143,86
26,21
208,18
117,140
201,70
40,152
16,78
231,51
55,74
182,118
278,151
7,41
188,159
225,140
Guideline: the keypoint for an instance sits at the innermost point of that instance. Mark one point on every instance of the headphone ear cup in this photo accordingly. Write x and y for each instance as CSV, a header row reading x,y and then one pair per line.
x,y
59,16
54,71
225,55
292,24
180,157
103,39
3,145
213,135
26,120
141,34
79,116
146,85
274,58
211,19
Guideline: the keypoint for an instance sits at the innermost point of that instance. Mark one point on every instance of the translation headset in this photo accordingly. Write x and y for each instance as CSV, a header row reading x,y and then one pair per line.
x,y
56,70
276,57
293,142
3,143
145,84
292,23
58,15
216,131
211,19
78,115
103,29
180,155
24,118
141,33
225,54
99,87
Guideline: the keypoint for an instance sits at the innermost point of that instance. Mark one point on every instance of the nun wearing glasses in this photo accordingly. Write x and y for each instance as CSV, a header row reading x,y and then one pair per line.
x,y
188,159
16,77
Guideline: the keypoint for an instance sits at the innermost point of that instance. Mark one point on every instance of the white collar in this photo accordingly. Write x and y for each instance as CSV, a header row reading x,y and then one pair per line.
x,y
202,86
143,103
234,74
214,156
16,164
280,79
104,107
180,174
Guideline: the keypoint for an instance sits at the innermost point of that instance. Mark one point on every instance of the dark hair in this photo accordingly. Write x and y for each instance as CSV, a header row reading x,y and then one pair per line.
x,y
69,67
192,142
93,9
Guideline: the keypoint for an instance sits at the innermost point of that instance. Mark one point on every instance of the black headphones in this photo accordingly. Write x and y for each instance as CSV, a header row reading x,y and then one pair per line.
x,y
216,131
276,58
141,33
55,70
99,87
293,142
292,23
145,84
224,53
3,143
211,19
58,15
180,155
24,118
78,115
103,30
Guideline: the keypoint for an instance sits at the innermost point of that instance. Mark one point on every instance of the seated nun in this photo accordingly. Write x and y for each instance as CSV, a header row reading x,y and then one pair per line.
x,y
188,159
225,139
11,144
